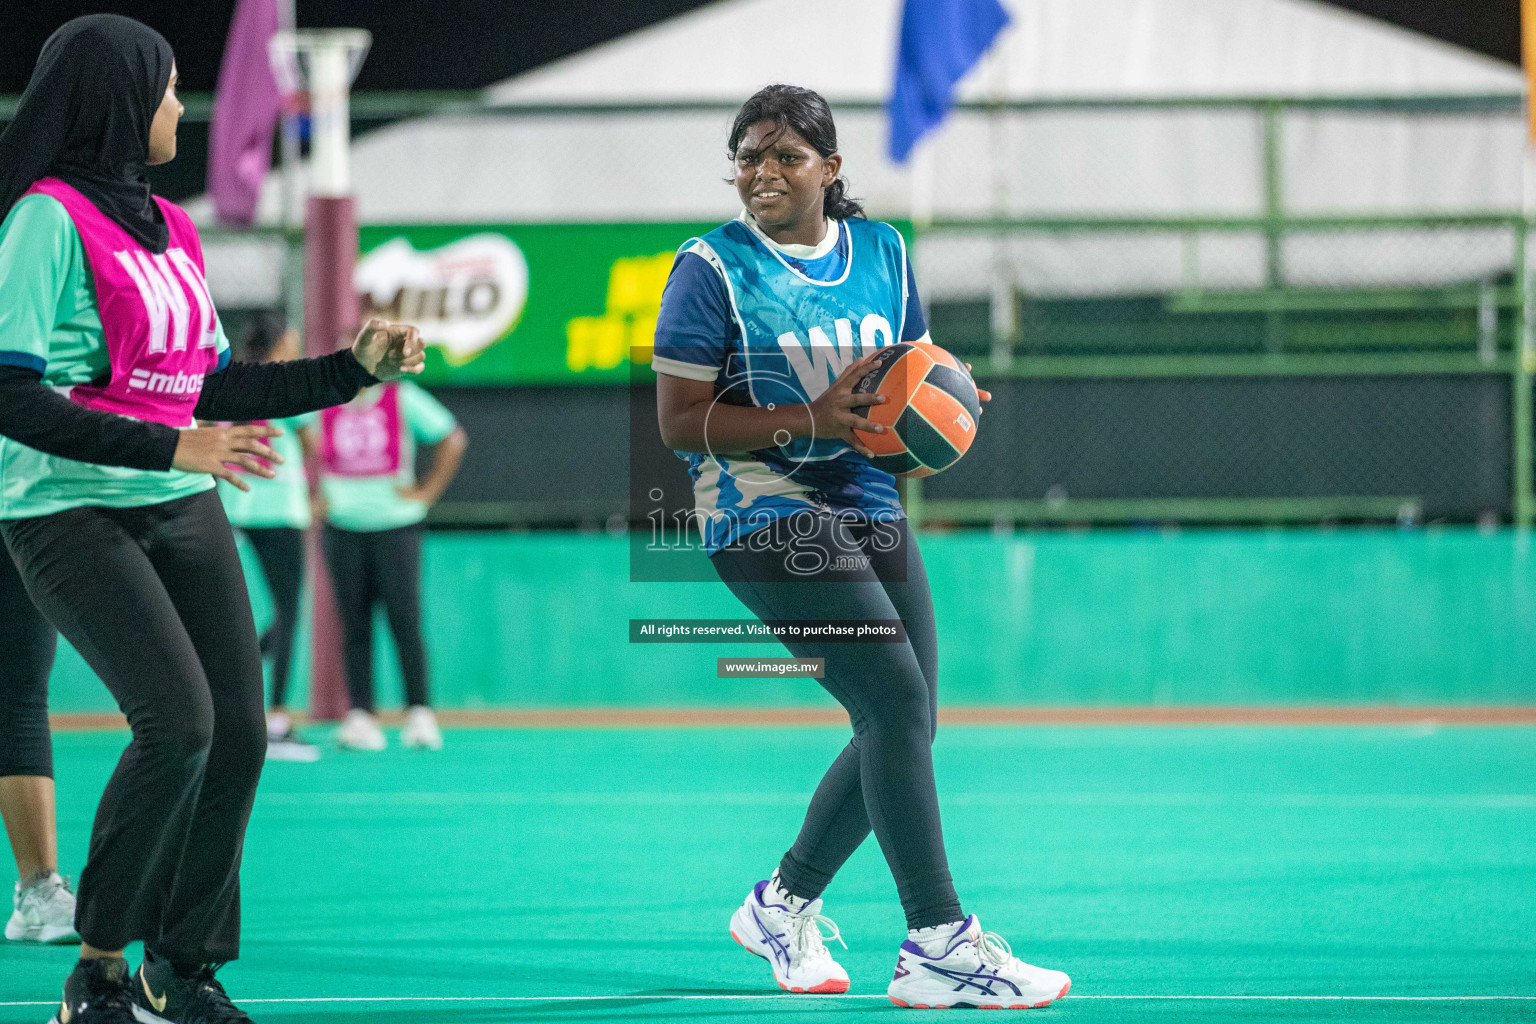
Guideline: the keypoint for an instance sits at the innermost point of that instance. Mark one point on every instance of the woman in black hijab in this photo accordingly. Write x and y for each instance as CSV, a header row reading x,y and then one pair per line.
x,y
109,510
100,161
62,129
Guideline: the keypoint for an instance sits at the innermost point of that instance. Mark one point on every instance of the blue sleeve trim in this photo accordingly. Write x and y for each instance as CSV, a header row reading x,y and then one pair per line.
x,y
25,360
916,324
695,324
223,360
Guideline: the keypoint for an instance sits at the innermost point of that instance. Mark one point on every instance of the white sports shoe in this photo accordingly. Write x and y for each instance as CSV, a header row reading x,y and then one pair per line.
x,y
360,731
977,970
791,942
44,912
421,731
284,742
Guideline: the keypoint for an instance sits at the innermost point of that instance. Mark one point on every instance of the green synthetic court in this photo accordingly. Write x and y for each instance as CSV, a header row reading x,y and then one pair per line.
x,y
1200,874
1212,873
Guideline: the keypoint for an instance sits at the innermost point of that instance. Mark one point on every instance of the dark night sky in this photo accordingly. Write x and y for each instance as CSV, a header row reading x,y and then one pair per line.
x,y
418,44
1487,26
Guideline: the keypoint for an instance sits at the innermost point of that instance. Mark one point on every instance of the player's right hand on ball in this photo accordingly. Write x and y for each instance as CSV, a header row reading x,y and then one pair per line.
x,y
832,414
224,451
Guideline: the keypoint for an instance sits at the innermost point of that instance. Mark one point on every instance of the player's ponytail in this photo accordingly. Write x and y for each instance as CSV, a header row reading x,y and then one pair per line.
x,y
837,204
807,113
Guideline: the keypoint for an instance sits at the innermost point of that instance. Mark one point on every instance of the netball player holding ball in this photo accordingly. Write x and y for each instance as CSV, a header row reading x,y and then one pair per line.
x,y
756,381
108,508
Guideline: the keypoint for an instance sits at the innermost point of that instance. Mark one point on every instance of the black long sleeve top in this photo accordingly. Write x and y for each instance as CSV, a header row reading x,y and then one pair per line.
x,y
41,418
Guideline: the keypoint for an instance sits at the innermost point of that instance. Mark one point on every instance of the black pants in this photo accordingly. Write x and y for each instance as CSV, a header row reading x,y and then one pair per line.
x,y
883,780
154,599
368,568
280,550
27,644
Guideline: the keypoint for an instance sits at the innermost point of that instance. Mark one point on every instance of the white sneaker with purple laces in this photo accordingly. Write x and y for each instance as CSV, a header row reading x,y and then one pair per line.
x,y
976,970
791,941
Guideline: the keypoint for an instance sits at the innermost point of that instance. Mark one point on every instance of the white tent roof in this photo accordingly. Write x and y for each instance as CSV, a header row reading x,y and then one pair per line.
x,y
659,166
668,166
1053,48
544,168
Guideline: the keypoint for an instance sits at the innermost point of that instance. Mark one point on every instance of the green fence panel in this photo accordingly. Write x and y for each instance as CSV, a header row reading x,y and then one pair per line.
x,y
1105,618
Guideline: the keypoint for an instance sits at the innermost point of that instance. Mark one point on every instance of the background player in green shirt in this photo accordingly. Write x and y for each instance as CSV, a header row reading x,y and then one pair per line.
x,y
374,506
274,515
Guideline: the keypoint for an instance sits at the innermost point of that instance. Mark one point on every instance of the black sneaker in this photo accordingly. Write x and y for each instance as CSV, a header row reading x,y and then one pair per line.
x,y
96,992
161,996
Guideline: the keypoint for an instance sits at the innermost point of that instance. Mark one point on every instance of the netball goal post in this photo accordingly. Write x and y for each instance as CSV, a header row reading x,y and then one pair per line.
x,y
314,69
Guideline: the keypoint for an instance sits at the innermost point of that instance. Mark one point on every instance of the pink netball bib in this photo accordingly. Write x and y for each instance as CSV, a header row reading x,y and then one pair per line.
x,y
362,440
156,314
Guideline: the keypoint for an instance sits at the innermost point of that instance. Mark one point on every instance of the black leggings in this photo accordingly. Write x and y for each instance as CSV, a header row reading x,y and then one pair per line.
x,y
280,550
27,644
154,599
883,779
367,568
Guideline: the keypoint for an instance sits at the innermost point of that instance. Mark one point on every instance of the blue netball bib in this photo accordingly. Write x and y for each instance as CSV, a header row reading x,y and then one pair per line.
x,y
798,334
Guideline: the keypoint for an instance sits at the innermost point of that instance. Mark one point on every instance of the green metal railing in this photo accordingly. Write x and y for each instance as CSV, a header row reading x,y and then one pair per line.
x,y
1275,300
399,104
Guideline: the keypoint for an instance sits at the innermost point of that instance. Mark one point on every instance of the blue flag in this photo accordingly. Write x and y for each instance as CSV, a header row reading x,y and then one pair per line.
x,y
940,41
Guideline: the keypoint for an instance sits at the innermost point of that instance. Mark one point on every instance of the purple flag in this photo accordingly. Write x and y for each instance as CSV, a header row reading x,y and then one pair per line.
x,y
245,110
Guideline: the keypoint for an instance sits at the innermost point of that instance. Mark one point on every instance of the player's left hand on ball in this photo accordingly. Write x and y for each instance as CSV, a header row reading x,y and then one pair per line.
x,y
985,396
389,350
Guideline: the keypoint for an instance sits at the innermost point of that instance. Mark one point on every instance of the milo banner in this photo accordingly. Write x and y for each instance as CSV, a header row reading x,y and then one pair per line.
x,y
533,304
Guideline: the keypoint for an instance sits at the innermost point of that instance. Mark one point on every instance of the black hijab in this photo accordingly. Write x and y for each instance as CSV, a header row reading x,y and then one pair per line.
x,y
85,119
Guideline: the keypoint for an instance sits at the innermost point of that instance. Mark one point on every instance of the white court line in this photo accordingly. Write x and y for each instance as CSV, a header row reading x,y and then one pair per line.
x,y
786,997
1346,999
1497,801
